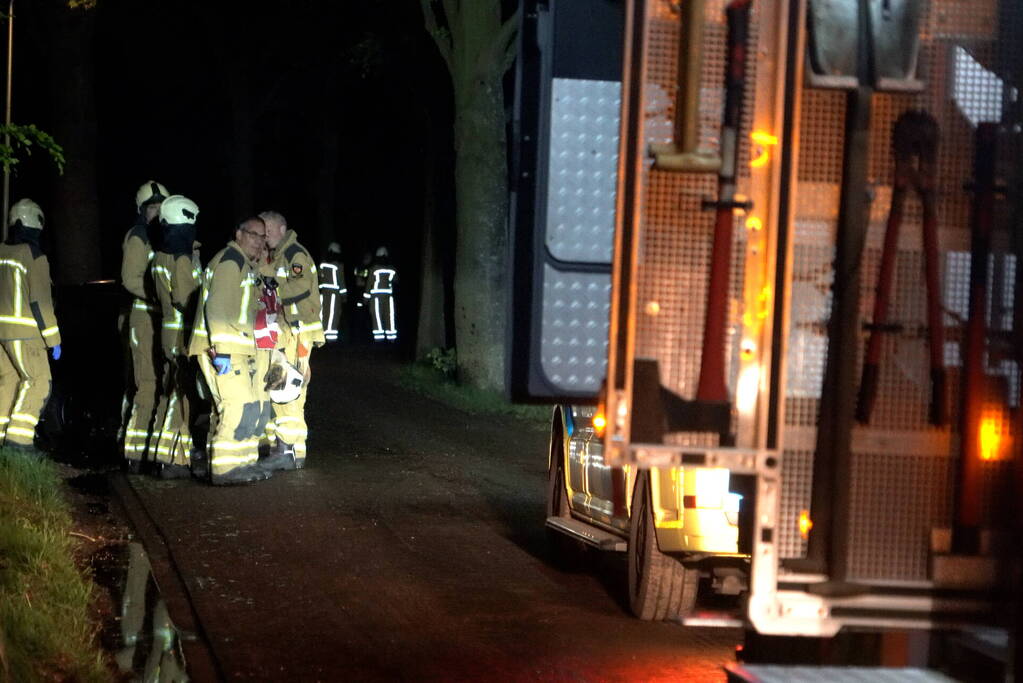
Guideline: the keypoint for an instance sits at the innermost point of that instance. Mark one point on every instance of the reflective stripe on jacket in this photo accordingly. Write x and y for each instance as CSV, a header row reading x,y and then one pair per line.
x,y
228,301
298,288
135,273
26,301
176,279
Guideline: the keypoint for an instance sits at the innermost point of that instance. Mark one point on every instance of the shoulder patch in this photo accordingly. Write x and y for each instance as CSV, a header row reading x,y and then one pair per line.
x,y
292,251
296,269
233,255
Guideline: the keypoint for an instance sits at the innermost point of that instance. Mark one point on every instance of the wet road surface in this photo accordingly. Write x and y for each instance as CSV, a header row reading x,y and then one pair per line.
x,y
411,548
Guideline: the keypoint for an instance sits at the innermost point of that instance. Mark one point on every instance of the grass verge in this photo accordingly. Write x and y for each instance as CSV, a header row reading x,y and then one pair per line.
x,y
45,630
424,379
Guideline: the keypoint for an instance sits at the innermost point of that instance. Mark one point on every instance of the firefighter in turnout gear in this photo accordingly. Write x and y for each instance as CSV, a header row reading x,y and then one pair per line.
x,y
141,324
294,272
333,292
379,296
176,274
224,341
27,327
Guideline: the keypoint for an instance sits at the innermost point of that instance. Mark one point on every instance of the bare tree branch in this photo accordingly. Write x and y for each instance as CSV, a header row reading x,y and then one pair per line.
x,y
441,36
508,38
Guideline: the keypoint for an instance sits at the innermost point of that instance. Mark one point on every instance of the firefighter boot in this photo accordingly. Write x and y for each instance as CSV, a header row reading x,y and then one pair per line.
x,y
241,475
281,457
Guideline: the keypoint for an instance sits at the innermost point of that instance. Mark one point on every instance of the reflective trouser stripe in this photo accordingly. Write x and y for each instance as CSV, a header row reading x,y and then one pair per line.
x,y
173,443
142,385
384,317
24,388
289,418
239,405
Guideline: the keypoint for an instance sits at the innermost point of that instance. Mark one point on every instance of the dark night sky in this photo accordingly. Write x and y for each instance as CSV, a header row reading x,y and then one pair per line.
x,y
163,112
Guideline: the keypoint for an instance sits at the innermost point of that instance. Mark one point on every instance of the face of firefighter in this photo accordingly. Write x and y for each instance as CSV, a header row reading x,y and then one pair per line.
x,y
274,233
152,211
251,237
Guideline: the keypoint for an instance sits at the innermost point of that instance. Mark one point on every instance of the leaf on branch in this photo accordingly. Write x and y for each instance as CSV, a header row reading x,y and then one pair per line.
x,y
23,138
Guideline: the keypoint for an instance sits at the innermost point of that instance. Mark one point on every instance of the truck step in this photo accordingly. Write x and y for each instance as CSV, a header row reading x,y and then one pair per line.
x,y
715,618
777,673
589,535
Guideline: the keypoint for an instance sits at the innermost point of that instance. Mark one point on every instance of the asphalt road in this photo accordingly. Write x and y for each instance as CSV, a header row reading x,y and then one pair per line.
x,y
410,548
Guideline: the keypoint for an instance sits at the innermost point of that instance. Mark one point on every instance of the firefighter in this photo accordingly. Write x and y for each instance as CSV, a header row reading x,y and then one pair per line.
x,y
223,340
333,292
176,274
379,296
140,325
28,327
293,271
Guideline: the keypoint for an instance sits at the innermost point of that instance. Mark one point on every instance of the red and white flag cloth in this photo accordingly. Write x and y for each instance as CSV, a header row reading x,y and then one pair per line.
x,y
266,328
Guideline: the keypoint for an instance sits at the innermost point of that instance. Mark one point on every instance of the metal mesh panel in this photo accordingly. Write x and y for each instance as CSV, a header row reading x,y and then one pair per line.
x,y
898,494
675,251
915,485
797,475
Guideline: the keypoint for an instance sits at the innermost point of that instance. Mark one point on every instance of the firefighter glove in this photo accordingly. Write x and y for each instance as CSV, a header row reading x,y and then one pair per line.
x,y
55,352
222,362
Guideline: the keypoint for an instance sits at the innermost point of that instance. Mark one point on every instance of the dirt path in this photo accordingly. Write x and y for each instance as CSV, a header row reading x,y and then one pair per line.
x,y
411,548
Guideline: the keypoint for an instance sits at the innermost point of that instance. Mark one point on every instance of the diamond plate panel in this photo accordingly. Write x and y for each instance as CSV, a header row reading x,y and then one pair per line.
x,y
582,172
576,309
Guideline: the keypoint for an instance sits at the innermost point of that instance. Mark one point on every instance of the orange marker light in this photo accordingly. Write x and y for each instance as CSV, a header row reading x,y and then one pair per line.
x,y
990,439
805,524
599,422
762,141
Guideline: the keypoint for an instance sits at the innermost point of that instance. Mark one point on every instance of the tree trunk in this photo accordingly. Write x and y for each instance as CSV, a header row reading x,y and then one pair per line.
x,y
243,175
326,185
431,331
73,216
481,201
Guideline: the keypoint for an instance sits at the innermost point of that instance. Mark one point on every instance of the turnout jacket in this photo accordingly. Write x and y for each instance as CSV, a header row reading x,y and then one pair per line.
x,y
228,302
135,272
298,289
26,303
176,279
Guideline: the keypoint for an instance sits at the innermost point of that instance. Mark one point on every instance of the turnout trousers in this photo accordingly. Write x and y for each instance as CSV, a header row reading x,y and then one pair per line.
x,y
381,307
241,409
139,432
24,388
170,434
288,422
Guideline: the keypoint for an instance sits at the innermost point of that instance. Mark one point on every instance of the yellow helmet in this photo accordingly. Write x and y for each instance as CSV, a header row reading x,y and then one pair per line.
x,y
151,191
28,213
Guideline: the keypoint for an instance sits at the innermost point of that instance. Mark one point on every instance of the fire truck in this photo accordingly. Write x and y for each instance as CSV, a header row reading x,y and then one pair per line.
x,y
765,263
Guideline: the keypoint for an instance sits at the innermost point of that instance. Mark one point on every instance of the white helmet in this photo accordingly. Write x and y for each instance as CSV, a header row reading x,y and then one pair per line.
x,y
288,388
178,210
151,191
28,212
382,252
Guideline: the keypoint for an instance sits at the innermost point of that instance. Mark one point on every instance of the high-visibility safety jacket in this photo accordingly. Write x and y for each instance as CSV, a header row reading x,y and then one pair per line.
x,y
333,294
136,275
176,279
228,302
26,302
298,289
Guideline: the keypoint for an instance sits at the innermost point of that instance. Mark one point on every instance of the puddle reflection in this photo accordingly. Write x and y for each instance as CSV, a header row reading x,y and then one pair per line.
x,y
147,645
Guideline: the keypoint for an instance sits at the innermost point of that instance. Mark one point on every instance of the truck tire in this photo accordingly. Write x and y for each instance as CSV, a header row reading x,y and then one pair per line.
x,y
557,493
660,586
566,553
